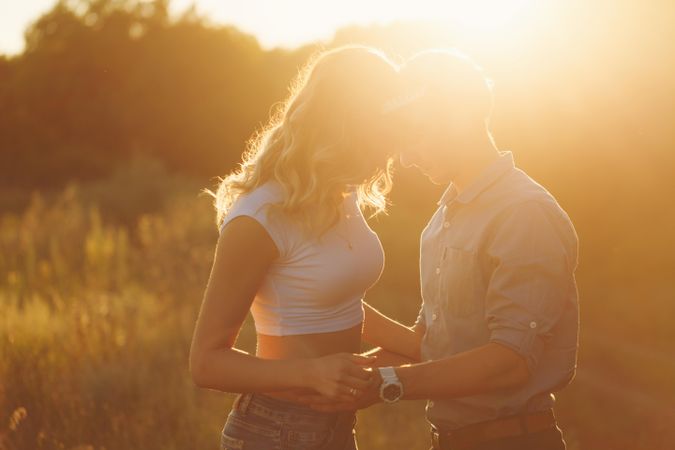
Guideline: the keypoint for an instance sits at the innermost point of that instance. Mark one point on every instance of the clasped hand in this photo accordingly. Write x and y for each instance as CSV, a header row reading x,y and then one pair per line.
x,y
339,382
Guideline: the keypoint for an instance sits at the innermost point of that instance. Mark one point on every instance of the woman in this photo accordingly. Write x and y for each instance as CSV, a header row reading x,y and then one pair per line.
x,y
295,249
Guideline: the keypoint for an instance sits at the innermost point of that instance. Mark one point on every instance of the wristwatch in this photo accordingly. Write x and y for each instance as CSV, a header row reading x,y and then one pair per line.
x,y
391,389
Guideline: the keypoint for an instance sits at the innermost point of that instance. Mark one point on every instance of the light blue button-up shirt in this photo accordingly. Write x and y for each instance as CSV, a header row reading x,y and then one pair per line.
x,y
497,264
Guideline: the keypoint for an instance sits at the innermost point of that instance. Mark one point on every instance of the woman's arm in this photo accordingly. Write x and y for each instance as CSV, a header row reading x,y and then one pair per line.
x,y
386,358
243,255
380,330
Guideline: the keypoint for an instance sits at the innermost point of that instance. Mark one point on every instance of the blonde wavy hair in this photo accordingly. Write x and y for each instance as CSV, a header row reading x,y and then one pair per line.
x,y
327,137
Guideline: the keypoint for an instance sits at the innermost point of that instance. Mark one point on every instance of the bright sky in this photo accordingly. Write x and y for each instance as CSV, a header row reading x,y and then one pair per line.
x,y
290,23
14,16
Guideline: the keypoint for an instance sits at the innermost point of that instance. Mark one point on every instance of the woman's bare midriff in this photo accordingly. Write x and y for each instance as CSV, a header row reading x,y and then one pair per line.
x,y
308,346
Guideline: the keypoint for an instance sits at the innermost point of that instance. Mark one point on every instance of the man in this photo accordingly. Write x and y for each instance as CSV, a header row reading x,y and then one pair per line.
x,y
499,319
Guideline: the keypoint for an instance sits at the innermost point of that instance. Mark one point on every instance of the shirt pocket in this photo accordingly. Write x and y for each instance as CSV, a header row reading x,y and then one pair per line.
x,y
460,283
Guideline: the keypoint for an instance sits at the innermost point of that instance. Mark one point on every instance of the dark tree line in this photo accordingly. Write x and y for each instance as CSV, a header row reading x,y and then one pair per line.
x,y
101,80
584,97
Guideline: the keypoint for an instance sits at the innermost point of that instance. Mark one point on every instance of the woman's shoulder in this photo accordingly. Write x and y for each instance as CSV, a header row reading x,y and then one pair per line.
x,y
254,204
267,193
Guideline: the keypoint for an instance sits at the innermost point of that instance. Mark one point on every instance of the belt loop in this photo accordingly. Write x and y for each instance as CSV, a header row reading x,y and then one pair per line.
x,y
241,402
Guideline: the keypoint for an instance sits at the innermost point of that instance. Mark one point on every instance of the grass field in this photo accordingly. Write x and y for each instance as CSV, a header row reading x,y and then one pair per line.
x,y
96,320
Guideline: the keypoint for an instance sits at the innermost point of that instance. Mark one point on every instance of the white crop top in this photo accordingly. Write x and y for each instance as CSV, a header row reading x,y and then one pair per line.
x,y
315,285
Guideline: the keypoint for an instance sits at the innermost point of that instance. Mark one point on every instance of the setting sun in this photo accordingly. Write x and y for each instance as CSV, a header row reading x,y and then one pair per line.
x,y
482,15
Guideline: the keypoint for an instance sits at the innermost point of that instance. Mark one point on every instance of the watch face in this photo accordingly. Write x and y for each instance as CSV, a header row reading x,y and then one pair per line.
x,y
391,392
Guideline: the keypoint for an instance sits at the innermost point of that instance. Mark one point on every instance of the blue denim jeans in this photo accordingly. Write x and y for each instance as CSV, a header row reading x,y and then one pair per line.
x,y
261,422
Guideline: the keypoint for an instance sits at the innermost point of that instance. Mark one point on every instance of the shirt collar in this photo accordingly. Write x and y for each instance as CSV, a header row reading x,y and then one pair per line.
x,y
489,175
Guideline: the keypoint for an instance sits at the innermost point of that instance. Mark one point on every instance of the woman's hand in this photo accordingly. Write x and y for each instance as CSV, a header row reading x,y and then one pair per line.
x,y
341,376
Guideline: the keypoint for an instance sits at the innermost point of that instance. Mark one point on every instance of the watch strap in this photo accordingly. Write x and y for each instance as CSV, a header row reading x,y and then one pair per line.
x,y
388,374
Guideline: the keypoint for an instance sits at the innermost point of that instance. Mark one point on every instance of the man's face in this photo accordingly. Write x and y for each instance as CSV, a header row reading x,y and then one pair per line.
x,y
427,143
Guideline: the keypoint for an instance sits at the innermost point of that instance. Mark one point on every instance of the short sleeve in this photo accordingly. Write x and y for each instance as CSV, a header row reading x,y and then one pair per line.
x,y
534,252
255,204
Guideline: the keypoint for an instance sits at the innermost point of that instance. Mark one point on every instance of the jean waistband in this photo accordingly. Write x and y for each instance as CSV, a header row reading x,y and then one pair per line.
x,y
281,410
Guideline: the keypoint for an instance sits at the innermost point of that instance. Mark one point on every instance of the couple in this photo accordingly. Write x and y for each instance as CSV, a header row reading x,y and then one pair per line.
x,y
496,333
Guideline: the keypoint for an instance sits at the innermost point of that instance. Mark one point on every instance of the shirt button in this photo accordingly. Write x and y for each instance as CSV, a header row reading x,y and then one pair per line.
x,y
434,316
533,324
446,225
431,404
438,270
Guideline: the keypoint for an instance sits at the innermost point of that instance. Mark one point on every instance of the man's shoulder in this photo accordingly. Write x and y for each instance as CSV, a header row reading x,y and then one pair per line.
x,y
519,191
523,186
527,204
519,198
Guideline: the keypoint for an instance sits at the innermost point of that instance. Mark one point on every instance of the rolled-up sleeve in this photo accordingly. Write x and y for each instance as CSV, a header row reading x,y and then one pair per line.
x,y
534,254
420,317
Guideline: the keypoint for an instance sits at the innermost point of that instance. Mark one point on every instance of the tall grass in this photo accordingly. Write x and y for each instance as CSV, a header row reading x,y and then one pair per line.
x,y
95,328
96,316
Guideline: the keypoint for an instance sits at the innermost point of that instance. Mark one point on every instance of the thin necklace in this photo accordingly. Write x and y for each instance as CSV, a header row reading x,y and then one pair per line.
x,y
347,216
